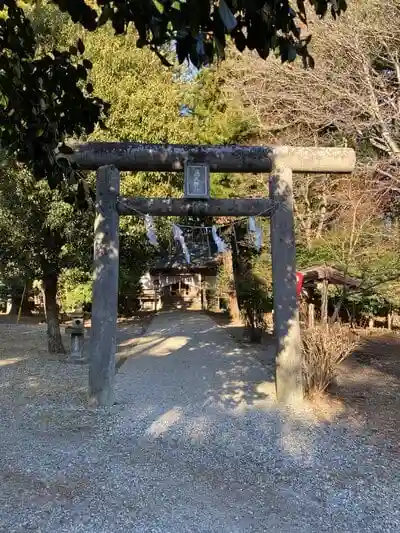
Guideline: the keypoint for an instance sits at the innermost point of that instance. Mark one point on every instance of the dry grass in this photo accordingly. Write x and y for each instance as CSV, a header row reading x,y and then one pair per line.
x,y
323,350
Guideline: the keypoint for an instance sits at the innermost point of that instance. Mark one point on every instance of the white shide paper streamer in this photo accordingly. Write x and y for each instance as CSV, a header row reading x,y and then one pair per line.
x,y
178,236
256,230
218,241
151,233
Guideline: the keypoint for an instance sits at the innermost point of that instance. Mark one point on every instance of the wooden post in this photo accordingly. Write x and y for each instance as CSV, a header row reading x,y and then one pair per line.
x,y
289,383
105,289
324,302
389,320
311,315
200,279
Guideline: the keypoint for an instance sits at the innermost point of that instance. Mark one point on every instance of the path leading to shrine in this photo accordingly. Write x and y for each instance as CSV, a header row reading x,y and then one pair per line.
x,y
196,444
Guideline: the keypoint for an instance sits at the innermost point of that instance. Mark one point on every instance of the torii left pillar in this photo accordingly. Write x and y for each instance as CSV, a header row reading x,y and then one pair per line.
x,y
103,341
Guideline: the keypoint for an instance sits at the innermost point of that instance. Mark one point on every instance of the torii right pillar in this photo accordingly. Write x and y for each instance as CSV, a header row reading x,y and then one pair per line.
x,y
289,372
288,367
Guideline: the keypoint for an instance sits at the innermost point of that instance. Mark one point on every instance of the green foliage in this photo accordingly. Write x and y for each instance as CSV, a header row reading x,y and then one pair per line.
x,y
75,289
41,232
135,256
253,281
199,30
217,118
256,300
324,251
224,281
368,304
146,106
146,103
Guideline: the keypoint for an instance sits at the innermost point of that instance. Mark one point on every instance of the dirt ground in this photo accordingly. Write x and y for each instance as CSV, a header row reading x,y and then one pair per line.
x,y
29,374
366,392
367,388
195,443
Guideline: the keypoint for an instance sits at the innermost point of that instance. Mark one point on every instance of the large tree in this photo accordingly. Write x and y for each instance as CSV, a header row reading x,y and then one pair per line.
x,y
350,99
45,98
42,233
44,95
146,105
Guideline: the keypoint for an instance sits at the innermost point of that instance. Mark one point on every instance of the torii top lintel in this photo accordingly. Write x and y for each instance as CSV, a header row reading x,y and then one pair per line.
x,y
131,156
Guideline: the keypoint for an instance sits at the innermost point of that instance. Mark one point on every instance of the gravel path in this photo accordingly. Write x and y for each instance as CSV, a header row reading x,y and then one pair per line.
x,y
195,444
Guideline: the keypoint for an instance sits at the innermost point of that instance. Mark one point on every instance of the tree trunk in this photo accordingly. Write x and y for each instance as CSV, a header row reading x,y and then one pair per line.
x,y
241,266
324,302
25,304
14,300
336,312
50,284
234,310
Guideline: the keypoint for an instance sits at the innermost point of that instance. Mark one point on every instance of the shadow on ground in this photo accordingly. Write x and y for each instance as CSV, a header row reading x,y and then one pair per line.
x,y
381,352
368,385
191,345
196,444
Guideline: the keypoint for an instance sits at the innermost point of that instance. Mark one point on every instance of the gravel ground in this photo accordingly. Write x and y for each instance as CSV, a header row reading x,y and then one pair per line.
x,y
195,444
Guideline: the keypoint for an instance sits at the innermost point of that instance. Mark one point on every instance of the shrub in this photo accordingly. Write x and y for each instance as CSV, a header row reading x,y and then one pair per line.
x,y
212,299
78,297
255,301
323,350
75,289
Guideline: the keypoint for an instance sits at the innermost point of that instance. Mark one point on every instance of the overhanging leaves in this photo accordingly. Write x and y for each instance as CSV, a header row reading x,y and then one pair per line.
x,y
43,98
255,24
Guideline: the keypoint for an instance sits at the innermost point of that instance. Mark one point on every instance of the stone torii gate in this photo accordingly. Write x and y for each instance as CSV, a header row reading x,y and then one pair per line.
x,y
108,159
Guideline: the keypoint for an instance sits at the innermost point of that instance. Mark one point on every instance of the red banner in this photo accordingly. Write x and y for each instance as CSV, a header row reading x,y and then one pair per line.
x,y
299,283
